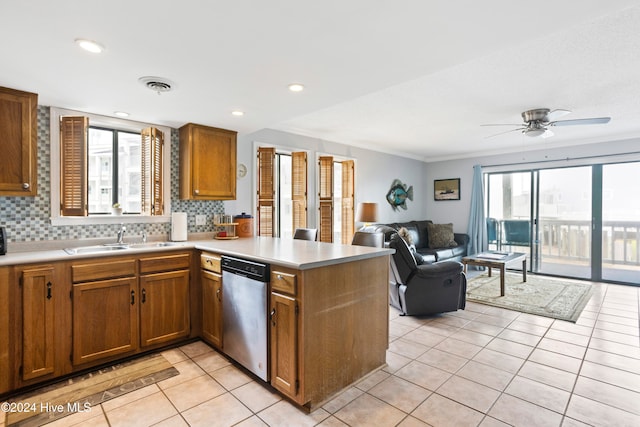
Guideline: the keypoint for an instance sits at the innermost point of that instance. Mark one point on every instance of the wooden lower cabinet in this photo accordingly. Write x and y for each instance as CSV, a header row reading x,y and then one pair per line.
x,y
164,307
105,319
38,321
129,305
5,330
329,327
284,344
211,307
283,319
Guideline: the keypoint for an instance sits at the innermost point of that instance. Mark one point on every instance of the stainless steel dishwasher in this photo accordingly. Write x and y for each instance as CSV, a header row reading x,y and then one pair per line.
x,y
244,313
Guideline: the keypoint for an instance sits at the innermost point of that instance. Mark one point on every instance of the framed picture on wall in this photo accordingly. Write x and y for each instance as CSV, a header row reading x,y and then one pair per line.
x,y
446,189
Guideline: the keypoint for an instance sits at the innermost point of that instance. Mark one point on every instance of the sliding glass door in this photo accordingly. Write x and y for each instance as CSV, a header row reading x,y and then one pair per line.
x,y
621,222
581,222
564,222
509,208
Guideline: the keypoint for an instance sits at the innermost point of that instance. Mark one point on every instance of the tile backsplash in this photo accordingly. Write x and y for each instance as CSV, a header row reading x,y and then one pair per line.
x,y
26,219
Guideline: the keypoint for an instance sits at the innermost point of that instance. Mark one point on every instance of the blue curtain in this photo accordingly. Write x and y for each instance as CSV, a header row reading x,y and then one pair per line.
x,y
477,228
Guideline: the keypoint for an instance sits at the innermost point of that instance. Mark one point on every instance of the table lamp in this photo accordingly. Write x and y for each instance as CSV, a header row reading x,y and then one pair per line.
x,y
367,213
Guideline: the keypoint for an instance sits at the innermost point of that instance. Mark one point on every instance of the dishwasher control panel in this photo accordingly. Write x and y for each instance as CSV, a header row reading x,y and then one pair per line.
x,y
243,267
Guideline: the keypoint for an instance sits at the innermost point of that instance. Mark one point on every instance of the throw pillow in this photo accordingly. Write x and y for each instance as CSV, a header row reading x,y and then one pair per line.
x,y
441,236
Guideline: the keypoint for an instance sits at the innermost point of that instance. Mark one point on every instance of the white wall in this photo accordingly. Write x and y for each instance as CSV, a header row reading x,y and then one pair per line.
x,y
375,172
457,212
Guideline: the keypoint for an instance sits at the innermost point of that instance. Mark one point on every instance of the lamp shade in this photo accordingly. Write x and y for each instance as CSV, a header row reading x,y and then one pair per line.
x,y
367,212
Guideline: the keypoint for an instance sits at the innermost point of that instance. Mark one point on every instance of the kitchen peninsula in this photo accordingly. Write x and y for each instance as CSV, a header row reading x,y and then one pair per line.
x,y
327,304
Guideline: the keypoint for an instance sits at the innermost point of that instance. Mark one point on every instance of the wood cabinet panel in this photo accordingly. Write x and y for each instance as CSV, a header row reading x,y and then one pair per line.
x,y
100,270
284,344
5,336
105,319
164,306
212,308
207,163
283,282
210,262
38,322
165,263
18,133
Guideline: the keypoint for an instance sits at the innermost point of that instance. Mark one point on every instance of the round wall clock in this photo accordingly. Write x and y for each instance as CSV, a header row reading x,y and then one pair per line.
x,y
242,170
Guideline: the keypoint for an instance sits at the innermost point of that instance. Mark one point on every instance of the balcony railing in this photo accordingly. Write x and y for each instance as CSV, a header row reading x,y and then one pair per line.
x,y
570,240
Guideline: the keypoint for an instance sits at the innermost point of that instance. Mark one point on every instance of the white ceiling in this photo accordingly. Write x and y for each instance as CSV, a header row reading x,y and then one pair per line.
x,y
413,77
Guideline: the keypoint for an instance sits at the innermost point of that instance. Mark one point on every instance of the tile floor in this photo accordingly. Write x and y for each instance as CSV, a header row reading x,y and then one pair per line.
x,y
481,366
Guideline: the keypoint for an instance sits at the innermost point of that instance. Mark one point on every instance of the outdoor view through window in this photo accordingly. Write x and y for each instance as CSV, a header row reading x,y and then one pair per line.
x,y
113,178
550,214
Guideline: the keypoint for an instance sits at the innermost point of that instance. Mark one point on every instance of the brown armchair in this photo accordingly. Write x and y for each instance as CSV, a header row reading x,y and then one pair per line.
x,y
427,288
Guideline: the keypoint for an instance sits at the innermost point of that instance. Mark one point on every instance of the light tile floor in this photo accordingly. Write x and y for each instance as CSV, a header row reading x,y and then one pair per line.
x,y
483,366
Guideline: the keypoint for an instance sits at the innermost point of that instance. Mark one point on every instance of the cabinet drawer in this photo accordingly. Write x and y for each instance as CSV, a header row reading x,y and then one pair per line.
x,y
100,270
210,262
283,282
164,263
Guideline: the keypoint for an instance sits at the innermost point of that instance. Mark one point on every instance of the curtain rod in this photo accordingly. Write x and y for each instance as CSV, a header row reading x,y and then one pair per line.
x,y
566,159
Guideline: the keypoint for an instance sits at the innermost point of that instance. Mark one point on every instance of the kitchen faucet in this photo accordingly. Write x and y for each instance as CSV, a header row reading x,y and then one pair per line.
x,y
120,235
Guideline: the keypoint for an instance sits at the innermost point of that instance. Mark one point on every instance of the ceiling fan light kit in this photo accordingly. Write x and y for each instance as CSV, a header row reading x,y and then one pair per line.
x,y
537,122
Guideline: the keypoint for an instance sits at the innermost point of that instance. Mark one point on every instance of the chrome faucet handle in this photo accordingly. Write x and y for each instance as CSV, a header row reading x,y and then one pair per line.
x,y
121,232
144,236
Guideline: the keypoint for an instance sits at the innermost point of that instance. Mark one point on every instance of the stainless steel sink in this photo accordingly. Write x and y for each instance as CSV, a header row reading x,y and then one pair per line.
x,y
95,249
110,247
152,244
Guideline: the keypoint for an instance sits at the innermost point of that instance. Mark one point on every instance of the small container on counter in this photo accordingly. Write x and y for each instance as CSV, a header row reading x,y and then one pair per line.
x,y
245,225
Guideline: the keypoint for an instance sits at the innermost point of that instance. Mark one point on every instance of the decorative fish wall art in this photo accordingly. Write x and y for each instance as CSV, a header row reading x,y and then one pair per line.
x,y
398,195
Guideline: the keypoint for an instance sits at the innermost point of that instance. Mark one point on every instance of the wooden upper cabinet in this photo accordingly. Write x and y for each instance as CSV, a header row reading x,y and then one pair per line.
x,y
18,139
207,163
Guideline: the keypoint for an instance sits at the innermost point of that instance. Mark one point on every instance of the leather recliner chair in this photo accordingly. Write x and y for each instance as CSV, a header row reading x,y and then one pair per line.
x,y
427,288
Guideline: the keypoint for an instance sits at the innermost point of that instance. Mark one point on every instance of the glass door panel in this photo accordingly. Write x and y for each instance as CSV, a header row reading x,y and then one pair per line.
x,y
509,211
620,222
564,222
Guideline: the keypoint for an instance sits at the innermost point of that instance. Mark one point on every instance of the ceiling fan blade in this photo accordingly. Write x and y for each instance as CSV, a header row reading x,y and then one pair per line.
x,y
592,121
502,124
556,114
502,133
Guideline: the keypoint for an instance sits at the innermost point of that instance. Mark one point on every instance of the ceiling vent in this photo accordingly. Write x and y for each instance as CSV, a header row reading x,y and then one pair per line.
x,y
157,84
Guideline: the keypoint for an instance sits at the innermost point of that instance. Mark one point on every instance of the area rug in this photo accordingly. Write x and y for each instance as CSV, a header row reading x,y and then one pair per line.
x,y
84,393
544,296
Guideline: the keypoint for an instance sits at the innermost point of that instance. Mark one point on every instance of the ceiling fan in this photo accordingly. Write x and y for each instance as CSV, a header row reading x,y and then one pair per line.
x,y
538,121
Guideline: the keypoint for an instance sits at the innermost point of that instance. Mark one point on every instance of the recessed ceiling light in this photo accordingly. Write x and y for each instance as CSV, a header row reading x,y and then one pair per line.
x,y
296,87
237,113
90,45
121,113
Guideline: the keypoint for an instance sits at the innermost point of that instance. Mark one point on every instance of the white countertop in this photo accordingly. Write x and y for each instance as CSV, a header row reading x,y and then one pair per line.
x,y
297,254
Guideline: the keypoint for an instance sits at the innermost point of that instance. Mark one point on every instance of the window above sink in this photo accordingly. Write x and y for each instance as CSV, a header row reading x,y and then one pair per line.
x,y
125,126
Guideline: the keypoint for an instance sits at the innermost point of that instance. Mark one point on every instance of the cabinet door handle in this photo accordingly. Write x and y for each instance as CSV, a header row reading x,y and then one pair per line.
x,y
272,315
49,290
133,297
26,185
218,294
279,277
144,295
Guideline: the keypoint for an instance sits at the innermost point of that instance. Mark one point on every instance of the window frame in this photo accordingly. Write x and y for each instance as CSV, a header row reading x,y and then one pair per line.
x,y
96,120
